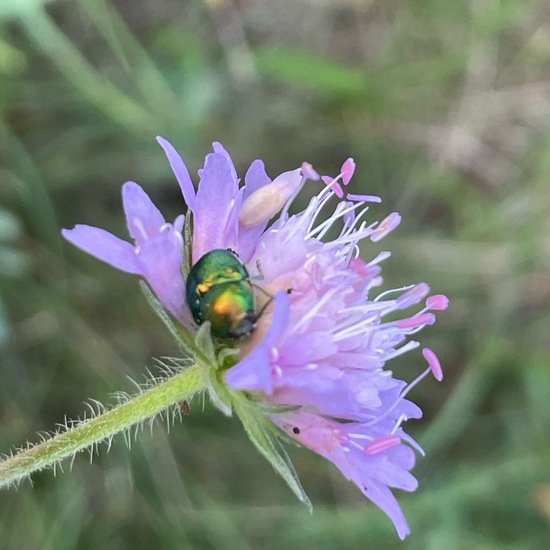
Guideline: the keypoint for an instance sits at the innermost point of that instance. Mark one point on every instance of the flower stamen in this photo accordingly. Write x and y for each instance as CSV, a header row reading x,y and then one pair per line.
x,y
382,444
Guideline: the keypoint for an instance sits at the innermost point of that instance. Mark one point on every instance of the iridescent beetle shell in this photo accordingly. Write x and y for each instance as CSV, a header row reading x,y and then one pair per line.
x,y
219,291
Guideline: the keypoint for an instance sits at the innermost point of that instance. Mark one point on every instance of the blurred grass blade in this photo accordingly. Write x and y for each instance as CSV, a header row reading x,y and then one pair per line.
x,y
145,74
299,68
33,191
43,31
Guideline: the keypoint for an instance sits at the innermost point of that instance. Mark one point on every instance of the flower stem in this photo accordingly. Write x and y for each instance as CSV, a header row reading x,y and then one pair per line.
x,y
103,426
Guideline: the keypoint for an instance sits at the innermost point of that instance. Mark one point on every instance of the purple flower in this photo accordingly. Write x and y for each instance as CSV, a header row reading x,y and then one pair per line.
x,y
316,362
327,343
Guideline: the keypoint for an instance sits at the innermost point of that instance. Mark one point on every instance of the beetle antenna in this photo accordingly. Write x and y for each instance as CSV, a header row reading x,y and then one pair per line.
x,y
265,306
262,290
271,298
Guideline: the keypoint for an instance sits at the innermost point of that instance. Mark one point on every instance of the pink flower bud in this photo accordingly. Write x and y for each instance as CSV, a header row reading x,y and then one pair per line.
x,y
269,199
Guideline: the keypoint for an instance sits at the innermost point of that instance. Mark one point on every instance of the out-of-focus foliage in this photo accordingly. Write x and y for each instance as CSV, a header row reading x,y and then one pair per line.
x,y
445,106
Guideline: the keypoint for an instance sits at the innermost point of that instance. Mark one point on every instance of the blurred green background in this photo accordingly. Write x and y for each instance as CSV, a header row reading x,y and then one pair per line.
x,y
445,106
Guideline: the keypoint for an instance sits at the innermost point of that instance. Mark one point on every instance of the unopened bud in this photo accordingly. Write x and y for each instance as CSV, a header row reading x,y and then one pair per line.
x,y
265,202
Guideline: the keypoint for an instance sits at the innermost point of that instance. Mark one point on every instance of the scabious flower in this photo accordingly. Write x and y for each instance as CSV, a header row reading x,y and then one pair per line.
x,y
314,367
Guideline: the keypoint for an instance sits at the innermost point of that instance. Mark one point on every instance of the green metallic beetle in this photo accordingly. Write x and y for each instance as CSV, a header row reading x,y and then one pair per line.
x,y
219,291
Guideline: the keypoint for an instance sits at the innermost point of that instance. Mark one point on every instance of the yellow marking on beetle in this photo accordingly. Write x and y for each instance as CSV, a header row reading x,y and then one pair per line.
x,y
203,288
224,305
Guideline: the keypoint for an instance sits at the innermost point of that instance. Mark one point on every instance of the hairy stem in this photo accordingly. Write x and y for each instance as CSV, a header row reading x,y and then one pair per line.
x,y
103,426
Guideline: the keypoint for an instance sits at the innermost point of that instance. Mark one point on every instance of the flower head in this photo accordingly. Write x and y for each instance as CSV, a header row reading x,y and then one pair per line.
x,y
314,366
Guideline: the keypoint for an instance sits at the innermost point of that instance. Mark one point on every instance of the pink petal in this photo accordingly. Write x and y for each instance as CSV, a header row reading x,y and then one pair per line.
x,y
142,216
180,171
179,222
255,178
219,148
215,199
254,371
384,499
103,245
160,260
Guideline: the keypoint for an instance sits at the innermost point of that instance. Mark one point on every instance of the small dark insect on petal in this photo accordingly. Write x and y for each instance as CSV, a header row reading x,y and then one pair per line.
x,y
296,430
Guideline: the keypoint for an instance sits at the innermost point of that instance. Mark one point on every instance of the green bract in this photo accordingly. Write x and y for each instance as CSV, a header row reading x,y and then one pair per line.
x,y
219,291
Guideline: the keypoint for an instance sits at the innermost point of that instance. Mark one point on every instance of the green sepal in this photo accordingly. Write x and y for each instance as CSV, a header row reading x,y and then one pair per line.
x,y
279,409
187,244
264,436
182,336
228,357
203,342
220,397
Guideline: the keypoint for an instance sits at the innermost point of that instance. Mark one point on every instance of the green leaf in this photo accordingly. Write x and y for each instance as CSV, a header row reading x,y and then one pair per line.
x,y
262,433
219,395
300,68
180,334
203,342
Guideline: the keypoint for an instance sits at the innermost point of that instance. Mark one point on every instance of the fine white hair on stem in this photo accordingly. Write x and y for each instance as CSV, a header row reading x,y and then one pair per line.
x,y
47,454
